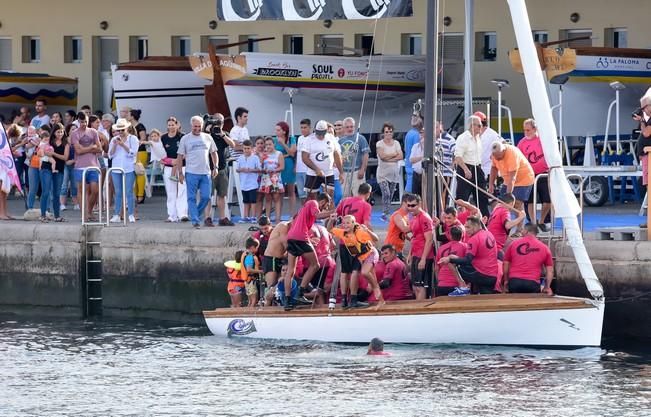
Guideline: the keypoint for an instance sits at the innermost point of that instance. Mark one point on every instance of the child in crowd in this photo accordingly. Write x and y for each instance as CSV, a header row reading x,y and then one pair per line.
x,y
358,240
43,149
251,270
271,183
249,167
235,281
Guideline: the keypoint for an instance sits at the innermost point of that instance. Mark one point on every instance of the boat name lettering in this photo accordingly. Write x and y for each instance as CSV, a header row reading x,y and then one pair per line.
x,y
232,65
277,72
396,74
605,62
322,72
283,65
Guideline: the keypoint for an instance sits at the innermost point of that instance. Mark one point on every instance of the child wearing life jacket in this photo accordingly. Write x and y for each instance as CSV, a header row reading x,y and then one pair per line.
x,y
251,270
358,240
235,281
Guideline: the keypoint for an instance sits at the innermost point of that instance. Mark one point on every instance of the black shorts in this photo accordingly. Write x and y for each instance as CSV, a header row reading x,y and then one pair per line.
x,y
349,263
542,191
313,184
421,278
250,196
271,264
519,285
298,247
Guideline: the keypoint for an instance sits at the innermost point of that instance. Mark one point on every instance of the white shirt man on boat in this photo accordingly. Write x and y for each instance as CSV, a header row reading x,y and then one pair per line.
x,y
488,137
467,157
239,133
320,155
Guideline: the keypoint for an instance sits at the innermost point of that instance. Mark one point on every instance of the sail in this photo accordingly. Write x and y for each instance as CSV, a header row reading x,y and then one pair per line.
x,y
563,198
306,10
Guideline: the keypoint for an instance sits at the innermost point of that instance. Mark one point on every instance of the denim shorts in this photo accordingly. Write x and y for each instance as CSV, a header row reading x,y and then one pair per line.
x,y
522,193
91,176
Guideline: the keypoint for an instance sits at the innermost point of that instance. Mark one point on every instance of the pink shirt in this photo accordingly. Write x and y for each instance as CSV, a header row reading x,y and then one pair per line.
x,y
532,150
527,256
483,248
300,229
396,272
457,223
496,223
445,277
86,138
357,207
419,225
323,240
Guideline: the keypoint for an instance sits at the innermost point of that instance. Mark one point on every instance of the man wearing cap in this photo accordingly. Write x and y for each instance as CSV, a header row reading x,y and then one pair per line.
x,y
467,157
488,137
195,148
320,155
515,170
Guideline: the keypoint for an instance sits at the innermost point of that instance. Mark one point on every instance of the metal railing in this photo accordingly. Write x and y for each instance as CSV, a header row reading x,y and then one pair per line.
x,y
552,213
124,195
84,220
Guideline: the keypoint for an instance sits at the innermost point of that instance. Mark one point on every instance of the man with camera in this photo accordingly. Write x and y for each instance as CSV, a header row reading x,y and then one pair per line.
x,y
643,115
213,125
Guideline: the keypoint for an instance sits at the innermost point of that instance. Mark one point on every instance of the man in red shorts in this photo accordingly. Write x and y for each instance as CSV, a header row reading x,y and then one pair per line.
x,y
421,256
299,245
523,262
358,207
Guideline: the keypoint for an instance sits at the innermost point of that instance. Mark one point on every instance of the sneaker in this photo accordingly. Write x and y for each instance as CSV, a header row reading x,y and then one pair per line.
x,y
132,219
384,217
208,222
174,179
226,222
76,207
358,304
63,207
115,219
543,227
185,219
196,225
303,301
241,220
253,220
460,292
344,303
289,304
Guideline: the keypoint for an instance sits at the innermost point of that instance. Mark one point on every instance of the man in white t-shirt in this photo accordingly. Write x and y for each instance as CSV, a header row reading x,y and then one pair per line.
x,y
239,133
321,156
301,168
41,119
488,137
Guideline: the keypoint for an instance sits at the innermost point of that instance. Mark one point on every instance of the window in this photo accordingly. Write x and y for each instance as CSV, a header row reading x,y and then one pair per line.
x,y
411,44
616,38
328,44
72,47
249,46
540,36
451,47
5,54
181,45
293,44
485,46
216,41
364,44
31,49
138,47
582,36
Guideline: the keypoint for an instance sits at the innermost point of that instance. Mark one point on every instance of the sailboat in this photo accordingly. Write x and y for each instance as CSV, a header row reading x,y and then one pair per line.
x,y
505,319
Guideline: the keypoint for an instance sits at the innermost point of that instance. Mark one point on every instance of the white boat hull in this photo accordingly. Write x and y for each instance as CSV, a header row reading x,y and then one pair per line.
x,y
160,94
555,327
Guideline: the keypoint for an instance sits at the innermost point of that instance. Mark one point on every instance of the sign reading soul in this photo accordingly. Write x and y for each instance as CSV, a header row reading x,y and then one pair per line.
x,y
251,10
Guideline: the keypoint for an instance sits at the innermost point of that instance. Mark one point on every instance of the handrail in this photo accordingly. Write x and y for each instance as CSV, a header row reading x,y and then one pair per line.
x,y
124,195
84,220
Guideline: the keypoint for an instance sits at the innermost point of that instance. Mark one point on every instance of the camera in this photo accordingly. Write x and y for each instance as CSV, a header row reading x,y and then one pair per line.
x,y
639,113
212,125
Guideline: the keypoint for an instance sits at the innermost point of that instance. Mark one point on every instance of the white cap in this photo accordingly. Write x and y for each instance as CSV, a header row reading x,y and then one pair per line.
x,y
321,126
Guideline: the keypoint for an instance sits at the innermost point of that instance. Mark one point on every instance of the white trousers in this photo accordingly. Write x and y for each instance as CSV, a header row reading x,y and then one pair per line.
x,y
177,200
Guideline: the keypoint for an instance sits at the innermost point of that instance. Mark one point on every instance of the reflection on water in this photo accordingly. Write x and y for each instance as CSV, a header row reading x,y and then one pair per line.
x,y
66,367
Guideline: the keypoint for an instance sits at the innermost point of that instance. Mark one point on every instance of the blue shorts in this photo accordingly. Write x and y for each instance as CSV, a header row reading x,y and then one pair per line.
x,y
250,196
91,176
522,193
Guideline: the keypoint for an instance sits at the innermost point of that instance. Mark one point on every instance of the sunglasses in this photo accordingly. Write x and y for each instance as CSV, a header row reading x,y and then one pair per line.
x,y
412,205
338,125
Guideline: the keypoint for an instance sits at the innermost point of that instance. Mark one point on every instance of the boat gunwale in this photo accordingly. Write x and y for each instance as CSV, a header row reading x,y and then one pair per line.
x,y
421,307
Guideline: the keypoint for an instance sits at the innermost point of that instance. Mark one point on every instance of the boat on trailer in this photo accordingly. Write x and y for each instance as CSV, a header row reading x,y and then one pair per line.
x,y
503,319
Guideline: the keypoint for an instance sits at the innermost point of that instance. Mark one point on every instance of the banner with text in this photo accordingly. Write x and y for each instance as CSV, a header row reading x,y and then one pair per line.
x,y
251,10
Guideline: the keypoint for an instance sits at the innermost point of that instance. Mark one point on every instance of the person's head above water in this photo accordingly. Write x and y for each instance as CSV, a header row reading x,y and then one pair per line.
x,y
376,347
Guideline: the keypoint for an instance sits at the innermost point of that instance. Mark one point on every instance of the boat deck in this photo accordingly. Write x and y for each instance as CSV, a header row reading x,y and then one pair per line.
x,y
441,305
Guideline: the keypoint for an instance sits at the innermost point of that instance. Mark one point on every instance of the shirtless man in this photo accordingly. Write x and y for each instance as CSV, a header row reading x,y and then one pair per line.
x,y
274,256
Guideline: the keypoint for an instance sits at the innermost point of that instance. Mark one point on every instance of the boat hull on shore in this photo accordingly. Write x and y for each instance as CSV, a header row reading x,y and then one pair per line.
x,y
519,319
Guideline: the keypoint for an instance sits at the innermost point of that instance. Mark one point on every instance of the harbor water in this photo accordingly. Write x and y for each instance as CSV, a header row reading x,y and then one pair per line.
x,y
52,367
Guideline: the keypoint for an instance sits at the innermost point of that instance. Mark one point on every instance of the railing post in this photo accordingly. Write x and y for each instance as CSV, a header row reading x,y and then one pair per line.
x,y
84,220
124,195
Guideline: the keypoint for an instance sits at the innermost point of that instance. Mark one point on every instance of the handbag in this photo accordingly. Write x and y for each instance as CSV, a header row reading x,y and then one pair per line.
x,y
139,169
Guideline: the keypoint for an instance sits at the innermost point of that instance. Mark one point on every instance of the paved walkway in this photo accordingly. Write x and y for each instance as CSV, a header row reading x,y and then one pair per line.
x,y
153,212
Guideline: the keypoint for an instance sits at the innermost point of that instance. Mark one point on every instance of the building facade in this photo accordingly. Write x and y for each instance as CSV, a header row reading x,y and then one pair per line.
x,y
82,39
